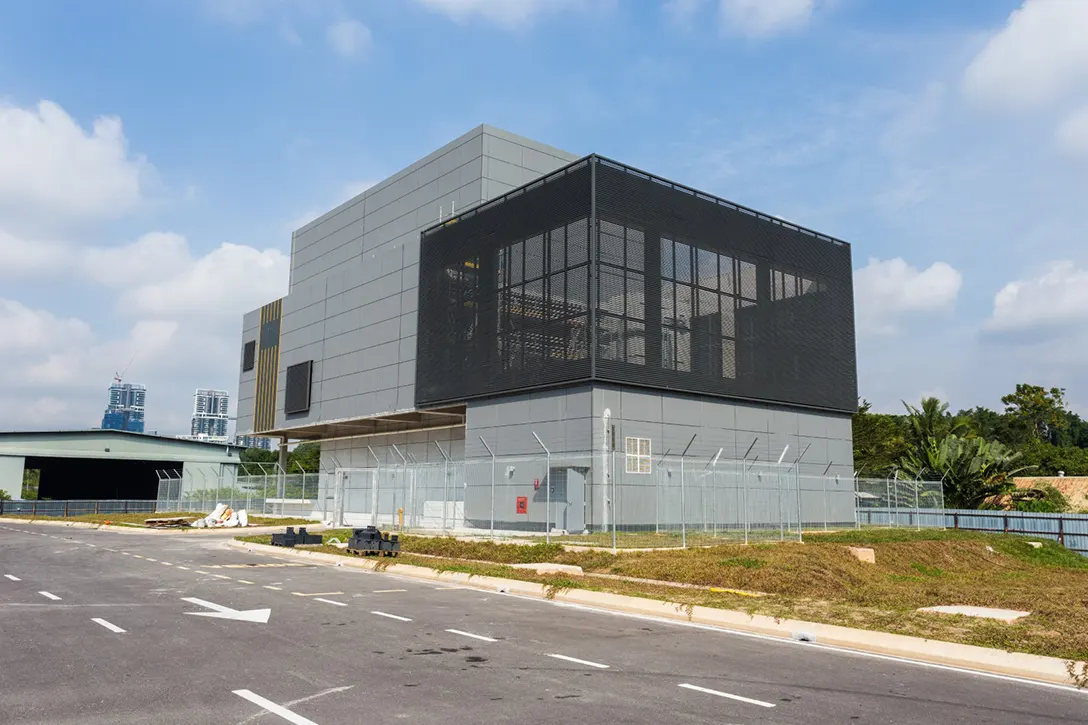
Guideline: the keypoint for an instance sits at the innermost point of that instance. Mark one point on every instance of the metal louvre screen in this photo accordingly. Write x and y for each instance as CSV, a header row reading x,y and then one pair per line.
x,y
691,294
504,293
296,397
700,296
249,356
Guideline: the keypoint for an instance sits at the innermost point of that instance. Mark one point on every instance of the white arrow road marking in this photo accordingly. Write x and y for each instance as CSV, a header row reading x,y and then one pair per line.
x,y
273,708
708,691
221,612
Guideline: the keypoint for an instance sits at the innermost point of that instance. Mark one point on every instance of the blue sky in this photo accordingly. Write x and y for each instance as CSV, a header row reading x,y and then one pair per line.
x,y
155,155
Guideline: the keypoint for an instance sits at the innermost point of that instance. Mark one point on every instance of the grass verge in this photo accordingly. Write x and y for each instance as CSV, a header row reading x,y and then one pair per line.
x,y
820,581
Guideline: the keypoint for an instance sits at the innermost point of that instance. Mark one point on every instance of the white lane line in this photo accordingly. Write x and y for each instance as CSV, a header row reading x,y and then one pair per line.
x,y
598,665
108,625
392,616
13,577
185,568
470,634
275,589
221,576
198,571
150,559
47,595
93,546
329,601
273,708
138,556
316,594
388,591
708,691
165,563
245,581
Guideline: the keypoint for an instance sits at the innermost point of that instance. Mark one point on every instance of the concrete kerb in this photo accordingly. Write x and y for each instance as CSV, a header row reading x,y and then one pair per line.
x,y
250,531
968,657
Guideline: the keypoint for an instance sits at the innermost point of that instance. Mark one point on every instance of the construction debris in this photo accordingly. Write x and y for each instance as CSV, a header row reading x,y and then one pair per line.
x,y
372,541
167,523
222,517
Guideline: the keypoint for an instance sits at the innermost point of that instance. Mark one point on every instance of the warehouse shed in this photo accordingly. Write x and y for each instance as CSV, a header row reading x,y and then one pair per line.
x,y
106,464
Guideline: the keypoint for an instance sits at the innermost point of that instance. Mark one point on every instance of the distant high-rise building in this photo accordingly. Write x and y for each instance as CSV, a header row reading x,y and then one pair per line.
x,y
265,444
210,415
125,410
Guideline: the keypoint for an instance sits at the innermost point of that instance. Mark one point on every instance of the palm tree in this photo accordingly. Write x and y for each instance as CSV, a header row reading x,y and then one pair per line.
x,y
973,470
932,421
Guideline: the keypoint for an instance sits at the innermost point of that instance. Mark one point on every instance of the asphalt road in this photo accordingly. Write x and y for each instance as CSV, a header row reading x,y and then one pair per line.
x,y
343,646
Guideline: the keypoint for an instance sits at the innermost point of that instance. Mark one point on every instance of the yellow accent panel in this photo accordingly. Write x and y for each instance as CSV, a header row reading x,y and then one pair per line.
x,y
268,363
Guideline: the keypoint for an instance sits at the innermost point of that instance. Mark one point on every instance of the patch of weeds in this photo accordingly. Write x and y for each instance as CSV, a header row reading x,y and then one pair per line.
x,y
745,561
557,586
1078,673
930,571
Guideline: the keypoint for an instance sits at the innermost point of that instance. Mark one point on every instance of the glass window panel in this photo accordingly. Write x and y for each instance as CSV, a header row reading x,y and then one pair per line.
x,y
636,343
611,295
789,285
727,279
683,263
644,446
707,302
631,446
668,303
707,264
807,286
747,280
728,317
636,249
610,337
685,305
668,270
578,289
683,351
636,296
577,242
611,243
516,263
534,257
557,246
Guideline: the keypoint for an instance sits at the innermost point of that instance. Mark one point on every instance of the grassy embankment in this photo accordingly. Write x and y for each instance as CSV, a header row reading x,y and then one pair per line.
x,y
821,581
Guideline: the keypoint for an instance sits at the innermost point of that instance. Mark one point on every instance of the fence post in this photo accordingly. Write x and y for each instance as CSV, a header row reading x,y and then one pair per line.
x,y
66,510
126,506
548,491
1006,517
683,509
1061,530
955,521
492,454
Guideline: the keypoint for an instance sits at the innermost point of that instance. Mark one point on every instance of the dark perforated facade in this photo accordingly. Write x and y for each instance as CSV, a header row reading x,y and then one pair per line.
x,y
603,273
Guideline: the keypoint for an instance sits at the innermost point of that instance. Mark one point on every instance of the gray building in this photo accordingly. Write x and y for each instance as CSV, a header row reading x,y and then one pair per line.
x,y
500,290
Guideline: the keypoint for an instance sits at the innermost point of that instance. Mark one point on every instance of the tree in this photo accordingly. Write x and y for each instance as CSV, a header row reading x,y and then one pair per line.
x,y
1039,410
878,442
31,479
307,456
932,421
253,456
4,495
972,470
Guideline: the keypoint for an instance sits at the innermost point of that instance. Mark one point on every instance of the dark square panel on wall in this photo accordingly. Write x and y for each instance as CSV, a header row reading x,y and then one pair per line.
x,y
603,272
249,356
296,397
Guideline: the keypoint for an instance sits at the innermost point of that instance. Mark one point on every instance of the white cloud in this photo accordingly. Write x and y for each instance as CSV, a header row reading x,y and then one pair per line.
x,y
24,330
1039,57
21,257
1057,296
348,37
51,165
886,290
227,282
1072,134
760,18
151,256
505,13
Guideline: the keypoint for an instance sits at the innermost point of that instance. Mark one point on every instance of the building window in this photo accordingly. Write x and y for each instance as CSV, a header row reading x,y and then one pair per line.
x,y
638,455
701,291
297,393
249,355
621,293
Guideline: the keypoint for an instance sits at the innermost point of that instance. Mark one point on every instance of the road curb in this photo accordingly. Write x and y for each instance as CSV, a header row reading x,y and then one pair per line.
x,y
969,657
251,531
